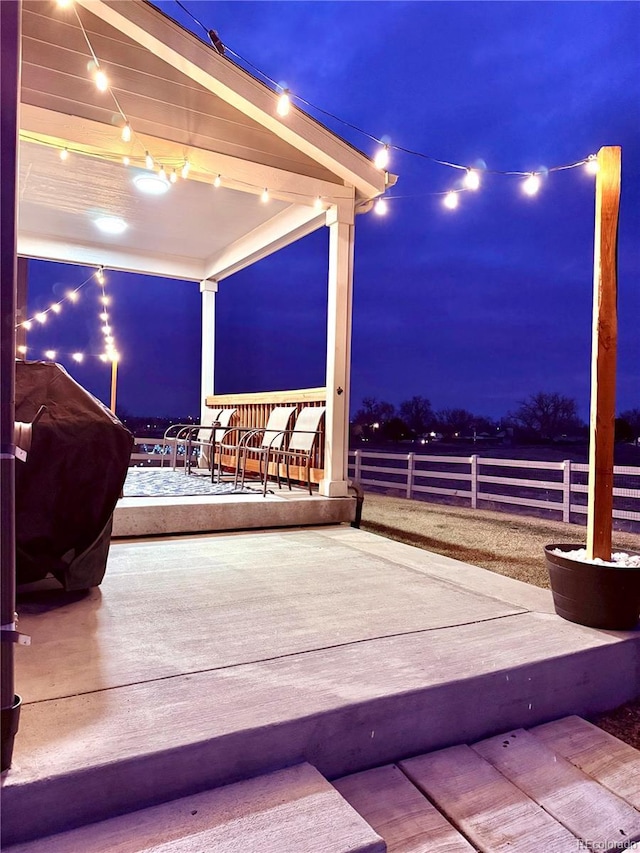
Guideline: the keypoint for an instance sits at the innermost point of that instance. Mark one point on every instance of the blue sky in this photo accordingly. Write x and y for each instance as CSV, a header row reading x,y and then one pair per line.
x,y
475,308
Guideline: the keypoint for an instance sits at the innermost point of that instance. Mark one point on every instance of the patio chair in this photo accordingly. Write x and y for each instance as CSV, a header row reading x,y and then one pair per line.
x,y
297,443
207,439
177,435
241,441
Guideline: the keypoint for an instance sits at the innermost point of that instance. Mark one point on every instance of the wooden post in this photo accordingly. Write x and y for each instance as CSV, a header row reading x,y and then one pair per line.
x,y
603,355
114,384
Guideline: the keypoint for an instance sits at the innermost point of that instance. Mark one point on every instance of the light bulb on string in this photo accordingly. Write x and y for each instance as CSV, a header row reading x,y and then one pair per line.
x,y
265,195
106,329
55,307
381,160
100,276
318,203
26,324
185,168
126,132
472,179
531,185
126,160
381,207
77,356
105,299
217,181
101,80
41,317
22,349
50,354
103,356
64,4
148,160
104,316
162,174
284,103
592,167
173,177
72,295
64,154
451,200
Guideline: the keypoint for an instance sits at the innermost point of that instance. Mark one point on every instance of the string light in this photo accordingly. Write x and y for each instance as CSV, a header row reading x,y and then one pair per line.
x,y
105,299
284,103
126,132
126,160
103,356
56,308
64,4
380,207
472,179
265,195
41,317
50,354
217,181
22,349
78,356
532,184
318,203
72,295
451,200
381,160
162,173
26,324
173,177
101,80
64,154
148,160
185,168
592,167
100,276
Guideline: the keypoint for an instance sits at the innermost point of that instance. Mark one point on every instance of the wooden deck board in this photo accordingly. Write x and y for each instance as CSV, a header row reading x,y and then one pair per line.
x,y
400,813
492,812
609,761
590,811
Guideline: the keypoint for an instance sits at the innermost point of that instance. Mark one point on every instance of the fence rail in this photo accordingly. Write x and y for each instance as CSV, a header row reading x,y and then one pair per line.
x,y
558,487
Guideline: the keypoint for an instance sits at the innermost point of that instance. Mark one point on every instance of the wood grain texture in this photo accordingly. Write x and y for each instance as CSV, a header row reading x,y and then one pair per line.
x,y
493,813
590,811
609,761
603,354
400,813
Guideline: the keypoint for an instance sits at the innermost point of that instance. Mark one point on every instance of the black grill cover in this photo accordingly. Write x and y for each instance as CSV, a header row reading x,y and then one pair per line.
x,y
67,489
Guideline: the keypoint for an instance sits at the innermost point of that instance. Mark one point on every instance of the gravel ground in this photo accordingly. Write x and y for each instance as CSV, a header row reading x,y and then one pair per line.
x,y
511,545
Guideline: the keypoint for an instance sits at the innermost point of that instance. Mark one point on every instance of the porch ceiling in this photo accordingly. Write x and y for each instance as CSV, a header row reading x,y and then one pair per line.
x,y
183,100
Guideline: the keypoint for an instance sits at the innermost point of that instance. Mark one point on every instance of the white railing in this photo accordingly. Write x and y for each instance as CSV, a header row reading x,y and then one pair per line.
x,y
559,487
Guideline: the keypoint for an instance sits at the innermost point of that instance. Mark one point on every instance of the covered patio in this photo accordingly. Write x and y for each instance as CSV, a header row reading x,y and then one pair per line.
x,y
237,181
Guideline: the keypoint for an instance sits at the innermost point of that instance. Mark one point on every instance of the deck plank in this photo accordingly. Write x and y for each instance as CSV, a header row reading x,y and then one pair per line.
x,y
591,812
493,813
290,811
400,813
610,761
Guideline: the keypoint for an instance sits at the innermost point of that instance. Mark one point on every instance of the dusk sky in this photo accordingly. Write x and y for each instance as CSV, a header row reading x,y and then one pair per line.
x,y
475,308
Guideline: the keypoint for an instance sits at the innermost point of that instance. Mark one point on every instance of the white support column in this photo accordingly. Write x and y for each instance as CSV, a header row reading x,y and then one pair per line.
x,y
208,289
340,297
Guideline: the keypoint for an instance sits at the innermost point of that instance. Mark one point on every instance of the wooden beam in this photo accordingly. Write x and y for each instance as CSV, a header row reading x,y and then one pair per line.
x,y
603,355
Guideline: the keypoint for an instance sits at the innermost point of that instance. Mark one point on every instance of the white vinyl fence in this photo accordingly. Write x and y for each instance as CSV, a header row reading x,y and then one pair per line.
x,y
559,487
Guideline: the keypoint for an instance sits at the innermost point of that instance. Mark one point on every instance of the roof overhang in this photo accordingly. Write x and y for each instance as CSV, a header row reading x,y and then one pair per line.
x,y
184,101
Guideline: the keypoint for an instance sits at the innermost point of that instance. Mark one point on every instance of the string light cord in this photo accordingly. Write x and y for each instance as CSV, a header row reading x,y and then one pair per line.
x,y
400,148
55,307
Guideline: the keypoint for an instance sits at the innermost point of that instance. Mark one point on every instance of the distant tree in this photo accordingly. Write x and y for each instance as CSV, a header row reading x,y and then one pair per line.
x,y
455,422
417,414
632,417
373,412
547,415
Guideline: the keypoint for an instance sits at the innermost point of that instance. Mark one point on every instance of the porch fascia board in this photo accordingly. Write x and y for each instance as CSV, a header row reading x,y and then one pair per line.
x,y
285,228
54,249
93,138
183,51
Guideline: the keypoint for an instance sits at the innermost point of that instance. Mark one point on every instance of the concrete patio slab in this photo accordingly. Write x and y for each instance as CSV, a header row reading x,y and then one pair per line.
x,y
207,660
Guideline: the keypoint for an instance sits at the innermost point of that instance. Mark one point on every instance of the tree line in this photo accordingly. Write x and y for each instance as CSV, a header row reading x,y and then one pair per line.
x,y
545,416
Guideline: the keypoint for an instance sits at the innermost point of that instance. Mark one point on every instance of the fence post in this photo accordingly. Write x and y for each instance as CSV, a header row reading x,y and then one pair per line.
x,y
474,481
566,491
357,472
410,468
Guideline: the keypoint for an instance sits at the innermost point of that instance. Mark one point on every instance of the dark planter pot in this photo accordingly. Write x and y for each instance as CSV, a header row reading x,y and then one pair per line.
x,y
10,720
593,595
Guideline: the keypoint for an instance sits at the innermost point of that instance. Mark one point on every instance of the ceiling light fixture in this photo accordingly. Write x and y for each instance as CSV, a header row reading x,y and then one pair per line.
x,y
110,224
151,184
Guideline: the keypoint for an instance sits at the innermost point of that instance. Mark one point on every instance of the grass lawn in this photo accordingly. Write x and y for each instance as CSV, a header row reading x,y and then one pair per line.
x,y
511,545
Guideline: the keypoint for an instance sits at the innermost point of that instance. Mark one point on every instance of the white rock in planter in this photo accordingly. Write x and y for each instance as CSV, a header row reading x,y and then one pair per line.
x,y
618,559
